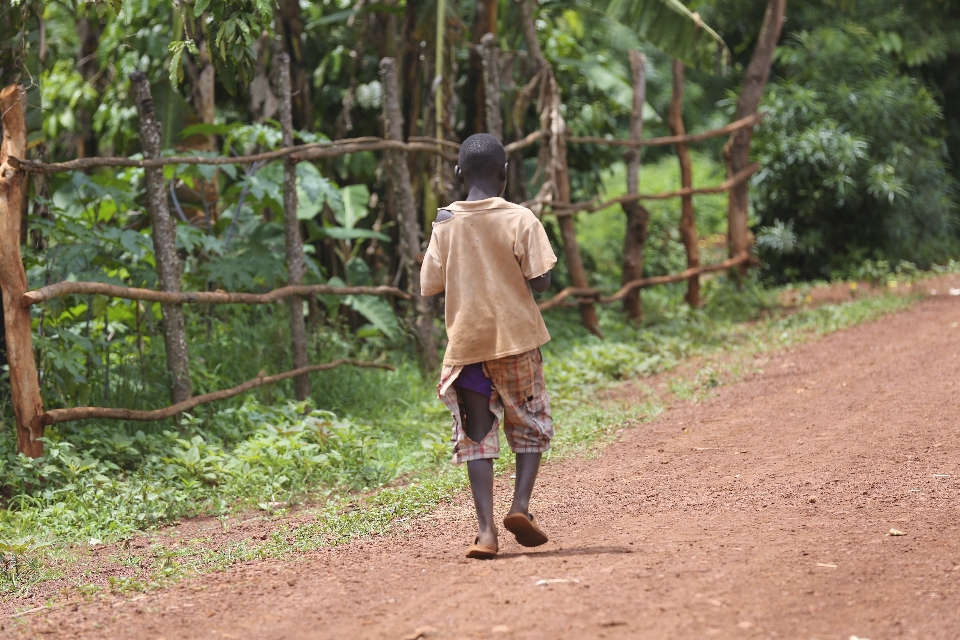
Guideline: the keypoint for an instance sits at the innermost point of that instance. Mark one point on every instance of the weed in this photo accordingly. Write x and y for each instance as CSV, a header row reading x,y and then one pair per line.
x,y
20,566
120,585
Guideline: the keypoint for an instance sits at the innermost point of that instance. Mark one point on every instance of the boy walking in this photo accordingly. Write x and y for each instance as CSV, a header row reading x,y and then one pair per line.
x,y
486,254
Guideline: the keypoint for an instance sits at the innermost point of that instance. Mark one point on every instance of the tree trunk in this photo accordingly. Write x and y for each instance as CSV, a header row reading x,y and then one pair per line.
x,y
412,67
688,222
637,215
289,25
202,75
529,25
484,22
24,383
491,86
517,183
291,226
263,102
737,150
88,34
410,236
164,242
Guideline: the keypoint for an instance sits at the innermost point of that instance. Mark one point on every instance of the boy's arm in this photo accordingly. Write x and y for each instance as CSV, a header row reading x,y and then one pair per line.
x,y
533,251
540,283
432,279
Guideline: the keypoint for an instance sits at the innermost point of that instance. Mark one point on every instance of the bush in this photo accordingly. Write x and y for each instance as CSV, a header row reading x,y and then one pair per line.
x,y
853,167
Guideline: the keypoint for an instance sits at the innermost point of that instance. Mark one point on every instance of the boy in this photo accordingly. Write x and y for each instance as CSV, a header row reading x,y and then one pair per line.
x,y
487,254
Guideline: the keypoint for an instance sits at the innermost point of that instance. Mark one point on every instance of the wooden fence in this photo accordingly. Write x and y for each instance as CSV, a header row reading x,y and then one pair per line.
x,y
553,199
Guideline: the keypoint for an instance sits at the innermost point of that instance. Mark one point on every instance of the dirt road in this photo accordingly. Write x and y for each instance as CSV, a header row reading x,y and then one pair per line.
x,y
763,512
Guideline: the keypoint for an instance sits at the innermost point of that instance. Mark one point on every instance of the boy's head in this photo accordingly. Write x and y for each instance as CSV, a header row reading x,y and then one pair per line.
x,y
483,164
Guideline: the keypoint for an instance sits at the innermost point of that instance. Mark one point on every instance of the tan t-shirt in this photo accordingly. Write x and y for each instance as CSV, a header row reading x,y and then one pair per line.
x,y
482,257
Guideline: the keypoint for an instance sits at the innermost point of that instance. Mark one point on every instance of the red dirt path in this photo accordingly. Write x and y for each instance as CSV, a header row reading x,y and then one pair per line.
x,y
762,512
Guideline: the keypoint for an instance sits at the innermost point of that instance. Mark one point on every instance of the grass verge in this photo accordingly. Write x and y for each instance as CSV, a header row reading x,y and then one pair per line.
x,y
723,347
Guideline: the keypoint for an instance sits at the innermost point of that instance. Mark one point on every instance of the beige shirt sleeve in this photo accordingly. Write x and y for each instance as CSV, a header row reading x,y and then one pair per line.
x,y
432,281
533,249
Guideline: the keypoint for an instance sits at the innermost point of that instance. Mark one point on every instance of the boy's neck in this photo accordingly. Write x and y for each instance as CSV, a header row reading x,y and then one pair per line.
x,y
483,192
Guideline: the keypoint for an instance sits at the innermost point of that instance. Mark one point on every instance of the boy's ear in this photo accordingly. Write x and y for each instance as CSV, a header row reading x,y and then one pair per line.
x,y
503,171
458,174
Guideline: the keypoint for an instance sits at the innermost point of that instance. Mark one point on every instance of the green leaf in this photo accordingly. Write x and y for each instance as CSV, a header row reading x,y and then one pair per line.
x,y
358,273
355,199
208,129
342,233
337,16
199,7
377,311
313,191
175,69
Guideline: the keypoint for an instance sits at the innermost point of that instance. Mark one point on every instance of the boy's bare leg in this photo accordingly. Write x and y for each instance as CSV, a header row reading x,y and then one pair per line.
x,y
479,421
527,466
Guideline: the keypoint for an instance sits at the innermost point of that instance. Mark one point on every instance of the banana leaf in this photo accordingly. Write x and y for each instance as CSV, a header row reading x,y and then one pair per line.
x,y
669,26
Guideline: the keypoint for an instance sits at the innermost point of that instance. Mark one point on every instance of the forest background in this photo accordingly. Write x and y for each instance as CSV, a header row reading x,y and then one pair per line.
x,y
859,155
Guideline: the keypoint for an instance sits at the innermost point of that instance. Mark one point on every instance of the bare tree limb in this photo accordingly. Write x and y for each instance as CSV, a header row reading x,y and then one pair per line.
x,y
593,295
335,148
565,209
737,125
86,413
62,289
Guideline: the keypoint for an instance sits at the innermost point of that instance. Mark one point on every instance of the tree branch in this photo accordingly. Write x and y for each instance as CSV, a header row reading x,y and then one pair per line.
x,y
593,295
62,289
335,148
737,125
563,209
86,413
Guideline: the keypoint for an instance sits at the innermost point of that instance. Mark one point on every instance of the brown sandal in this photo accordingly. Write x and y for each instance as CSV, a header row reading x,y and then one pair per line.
x,y
478,551
525,529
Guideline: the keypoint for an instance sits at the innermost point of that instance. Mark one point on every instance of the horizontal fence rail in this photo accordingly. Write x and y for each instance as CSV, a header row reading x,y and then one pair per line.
x,y
56,416
62,289
688,138
335,148
594,295
589,206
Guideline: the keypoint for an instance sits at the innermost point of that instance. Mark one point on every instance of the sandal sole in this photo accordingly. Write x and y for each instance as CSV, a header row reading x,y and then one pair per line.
x,y
527,533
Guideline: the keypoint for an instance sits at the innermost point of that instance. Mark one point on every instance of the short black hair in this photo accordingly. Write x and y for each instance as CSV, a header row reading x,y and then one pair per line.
x,y
481,155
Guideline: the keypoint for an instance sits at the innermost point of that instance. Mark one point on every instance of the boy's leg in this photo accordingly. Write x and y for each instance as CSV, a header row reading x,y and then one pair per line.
x,y
527,466
479,421
529,429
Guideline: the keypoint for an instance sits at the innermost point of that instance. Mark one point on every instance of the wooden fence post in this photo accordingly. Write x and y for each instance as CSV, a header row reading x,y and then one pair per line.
x,y
637,215
688,223
164,243
410,234
568,224
291,226
491,82
24,382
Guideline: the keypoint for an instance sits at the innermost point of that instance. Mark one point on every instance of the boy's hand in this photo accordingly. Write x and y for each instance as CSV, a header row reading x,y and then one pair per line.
x,y
540,283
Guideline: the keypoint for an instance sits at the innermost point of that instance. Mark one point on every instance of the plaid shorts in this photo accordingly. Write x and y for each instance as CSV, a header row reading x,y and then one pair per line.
x,y
519,402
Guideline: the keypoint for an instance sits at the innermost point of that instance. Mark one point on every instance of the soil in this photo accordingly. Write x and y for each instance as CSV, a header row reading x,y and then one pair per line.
x,y
771,510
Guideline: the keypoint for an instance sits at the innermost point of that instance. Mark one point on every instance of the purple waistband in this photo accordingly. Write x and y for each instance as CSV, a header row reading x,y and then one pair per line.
x,y
473,378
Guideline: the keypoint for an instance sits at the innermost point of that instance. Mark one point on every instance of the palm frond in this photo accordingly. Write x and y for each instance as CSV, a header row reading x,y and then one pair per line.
x,y
669,26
